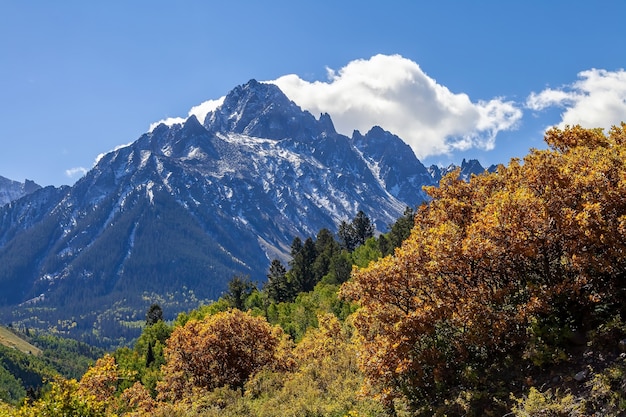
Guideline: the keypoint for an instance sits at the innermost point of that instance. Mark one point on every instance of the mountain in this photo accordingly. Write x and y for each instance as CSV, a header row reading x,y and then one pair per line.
x,y
174,216
467,169
12,190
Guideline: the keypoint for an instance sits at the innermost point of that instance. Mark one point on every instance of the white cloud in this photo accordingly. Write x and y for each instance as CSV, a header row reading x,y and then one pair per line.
x,y
99,157
75,172
200,111
597,99
394,93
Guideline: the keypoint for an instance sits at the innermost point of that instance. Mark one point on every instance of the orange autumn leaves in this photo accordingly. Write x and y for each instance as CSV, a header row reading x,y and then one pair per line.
x,y
487,255
224,349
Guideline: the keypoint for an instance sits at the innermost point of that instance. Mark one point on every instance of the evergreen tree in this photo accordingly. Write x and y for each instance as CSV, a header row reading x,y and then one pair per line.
x,y
326,247
149,355
355,234
384,245
239,289
302,276
277,287
401,229
154,314
346,236
296,246
363,228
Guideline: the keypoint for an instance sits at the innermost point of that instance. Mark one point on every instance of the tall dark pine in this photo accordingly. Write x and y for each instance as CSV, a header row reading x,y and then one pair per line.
x,y
326,248
154,314
346,236
277,287
354,234
302,276
149,355
239,289
363,228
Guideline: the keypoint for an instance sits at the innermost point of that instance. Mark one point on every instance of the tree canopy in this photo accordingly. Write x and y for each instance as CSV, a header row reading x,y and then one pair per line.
x,y
541,237
224,349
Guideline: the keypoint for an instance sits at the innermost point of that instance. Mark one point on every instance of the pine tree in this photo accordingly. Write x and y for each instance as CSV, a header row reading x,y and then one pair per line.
x,y
400,231
154,314
239,289
326,247
355,234
149,355
277,287
302,276
346,236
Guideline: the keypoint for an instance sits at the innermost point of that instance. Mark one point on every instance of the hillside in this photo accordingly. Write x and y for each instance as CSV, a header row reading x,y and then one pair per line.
x,y
9,339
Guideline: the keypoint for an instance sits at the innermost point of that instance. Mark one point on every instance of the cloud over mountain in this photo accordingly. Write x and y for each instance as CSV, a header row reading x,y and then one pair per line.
x,y
200,111
394,92
596,99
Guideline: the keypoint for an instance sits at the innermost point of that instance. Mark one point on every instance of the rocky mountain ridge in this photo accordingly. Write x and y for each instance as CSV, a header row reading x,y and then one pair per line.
x,y
11,190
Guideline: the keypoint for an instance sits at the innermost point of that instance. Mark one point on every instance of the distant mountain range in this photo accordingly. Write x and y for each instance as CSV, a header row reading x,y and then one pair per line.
x,y
174,216
12,190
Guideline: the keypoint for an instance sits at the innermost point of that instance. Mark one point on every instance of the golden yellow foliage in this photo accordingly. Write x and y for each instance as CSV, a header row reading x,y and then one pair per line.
x,y
223,349
100,381
488,254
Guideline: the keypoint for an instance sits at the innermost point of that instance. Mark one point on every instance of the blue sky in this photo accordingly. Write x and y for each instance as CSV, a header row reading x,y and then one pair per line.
x,y
455,79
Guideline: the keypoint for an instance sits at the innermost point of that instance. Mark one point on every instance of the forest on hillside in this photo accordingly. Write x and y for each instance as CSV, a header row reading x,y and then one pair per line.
x,y
504,295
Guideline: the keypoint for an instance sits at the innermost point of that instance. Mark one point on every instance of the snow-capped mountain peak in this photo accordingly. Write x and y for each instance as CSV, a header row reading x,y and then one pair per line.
x,y
188,205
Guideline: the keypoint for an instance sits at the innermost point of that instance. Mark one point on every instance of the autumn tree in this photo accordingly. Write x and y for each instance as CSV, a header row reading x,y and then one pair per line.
x,y
137,401
542,238
64,398
224,349
100,381
325,381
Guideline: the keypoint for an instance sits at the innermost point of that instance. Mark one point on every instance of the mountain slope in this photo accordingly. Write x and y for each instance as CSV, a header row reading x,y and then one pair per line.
x,y
173,216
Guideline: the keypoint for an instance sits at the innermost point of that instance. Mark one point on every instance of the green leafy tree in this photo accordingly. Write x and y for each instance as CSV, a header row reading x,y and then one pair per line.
x,y
340,268
366,253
